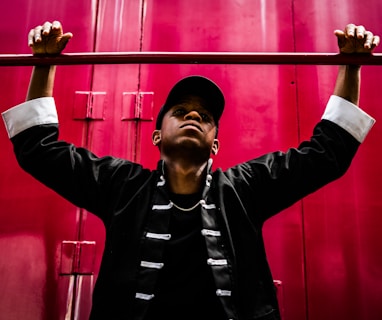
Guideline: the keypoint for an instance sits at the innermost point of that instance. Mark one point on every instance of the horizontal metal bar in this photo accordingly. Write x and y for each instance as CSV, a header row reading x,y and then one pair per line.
x,y
277,58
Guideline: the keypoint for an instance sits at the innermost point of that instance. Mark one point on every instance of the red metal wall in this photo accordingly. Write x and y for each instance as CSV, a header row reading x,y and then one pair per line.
x,y
325,249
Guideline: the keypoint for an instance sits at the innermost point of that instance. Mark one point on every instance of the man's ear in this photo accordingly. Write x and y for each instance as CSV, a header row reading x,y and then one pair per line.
x,y
156,137
215,147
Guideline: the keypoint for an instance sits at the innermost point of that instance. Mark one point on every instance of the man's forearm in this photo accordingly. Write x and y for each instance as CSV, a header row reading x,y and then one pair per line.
x,y
42,82
348,83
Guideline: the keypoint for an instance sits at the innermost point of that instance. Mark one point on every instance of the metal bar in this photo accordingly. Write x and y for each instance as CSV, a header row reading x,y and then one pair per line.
x,y
277,58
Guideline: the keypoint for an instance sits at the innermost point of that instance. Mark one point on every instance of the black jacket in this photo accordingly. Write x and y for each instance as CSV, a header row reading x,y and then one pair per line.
x,y
120,193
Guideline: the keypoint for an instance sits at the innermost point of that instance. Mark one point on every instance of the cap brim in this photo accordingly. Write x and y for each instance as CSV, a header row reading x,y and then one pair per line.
x,y
198,86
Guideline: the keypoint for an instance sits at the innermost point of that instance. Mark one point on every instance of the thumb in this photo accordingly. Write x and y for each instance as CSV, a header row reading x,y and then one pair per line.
x,y
339,33
67,36
341,38
65,39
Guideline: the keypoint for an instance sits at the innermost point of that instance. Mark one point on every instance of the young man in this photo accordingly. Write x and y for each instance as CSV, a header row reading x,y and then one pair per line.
x,y
182,241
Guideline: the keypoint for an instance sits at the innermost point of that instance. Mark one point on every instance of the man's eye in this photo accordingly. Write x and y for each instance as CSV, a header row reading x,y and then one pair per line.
x,y
205,117
178,112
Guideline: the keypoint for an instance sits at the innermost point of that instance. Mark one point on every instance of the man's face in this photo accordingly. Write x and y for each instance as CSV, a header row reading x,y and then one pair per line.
x,y
189,126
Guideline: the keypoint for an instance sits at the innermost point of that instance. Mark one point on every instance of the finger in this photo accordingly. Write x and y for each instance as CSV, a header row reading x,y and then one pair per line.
x,y
56,24
376,41
56,27
350,30
31,37
368,39
37,34
360,32
46,27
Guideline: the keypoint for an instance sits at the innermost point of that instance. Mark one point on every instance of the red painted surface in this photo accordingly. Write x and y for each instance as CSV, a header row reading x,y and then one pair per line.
x,y
325,249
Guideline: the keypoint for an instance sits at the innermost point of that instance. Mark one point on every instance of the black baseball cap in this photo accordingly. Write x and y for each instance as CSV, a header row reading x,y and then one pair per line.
x,y
199,86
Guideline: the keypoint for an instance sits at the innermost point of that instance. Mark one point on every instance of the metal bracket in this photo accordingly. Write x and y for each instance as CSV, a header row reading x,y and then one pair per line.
x,y
89,105
137,106
77,257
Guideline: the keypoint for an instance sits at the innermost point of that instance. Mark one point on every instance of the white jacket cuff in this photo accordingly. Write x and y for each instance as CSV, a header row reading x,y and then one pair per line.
x,y
29,114
349,117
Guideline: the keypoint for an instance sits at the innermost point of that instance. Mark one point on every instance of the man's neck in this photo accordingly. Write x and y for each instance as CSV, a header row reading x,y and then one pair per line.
x,y
185,178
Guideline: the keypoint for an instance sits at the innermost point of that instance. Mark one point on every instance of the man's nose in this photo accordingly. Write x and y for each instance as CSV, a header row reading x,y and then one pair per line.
x,y
193,115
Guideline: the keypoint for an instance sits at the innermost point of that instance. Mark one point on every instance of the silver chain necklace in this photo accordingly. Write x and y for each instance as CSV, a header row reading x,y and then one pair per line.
x,y
186,209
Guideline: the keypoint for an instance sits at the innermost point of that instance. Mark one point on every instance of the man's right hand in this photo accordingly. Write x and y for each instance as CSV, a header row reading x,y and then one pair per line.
x,y
48,38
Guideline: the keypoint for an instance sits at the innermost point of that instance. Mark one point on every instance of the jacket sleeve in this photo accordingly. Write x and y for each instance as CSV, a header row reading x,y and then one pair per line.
x,y
275,181
75,173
